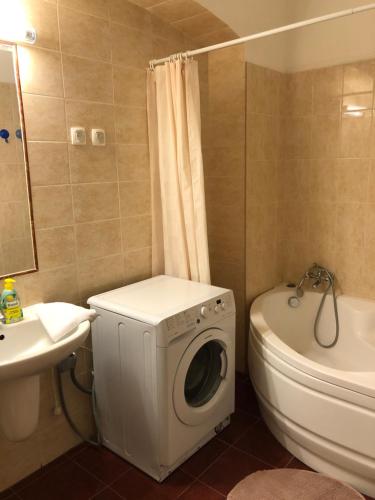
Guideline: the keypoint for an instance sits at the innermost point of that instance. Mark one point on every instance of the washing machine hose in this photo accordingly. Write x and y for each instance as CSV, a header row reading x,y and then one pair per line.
x,y
60,369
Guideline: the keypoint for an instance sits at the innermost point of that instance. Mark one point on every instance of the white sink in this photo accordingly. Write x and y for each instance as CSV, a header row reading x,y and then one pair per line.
x,y
25,351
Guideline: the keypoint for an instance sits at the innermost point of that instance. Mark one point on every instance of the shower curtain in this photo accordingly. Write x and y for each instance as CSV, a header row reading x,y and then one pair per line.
x,y
179,228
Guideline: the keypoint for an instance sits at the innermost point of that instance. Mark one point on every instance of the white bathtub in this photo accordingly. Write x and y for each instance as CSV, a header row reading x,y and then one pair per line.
x,y
319,403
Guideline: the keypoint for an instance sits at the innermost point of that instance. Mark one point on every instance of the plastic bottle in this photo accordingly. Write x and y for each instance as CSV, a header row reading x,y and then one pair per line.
x,y
10,303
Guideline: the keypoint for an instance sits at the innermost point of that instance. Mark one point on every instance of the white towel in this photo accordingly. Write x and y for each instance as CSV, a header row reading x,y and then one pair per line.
x,y
60,318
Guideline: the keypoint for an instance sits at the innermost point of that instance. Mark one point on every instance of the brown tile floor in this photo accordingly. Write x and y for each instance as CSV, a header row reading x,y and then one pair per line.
x,y
87,473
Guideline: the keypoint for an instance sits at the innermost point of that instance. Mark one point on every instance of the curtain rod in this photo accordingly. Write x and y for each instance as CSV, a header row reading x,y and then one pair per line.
x,y
264,34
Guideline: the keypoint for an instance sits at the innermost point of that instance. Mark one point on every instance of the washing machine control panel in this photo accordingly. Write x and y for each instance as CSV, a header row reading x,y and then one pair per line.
x,y
207,313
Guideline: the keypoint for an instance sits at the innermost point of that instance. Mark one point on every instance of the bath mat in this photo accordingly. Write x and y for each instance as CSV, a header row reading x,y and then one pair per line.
x,y
291,484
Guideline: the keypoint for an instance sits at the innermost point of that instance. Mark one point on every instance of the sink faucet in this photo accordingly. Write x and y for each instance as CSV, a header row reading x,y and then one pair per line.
x,y
317,273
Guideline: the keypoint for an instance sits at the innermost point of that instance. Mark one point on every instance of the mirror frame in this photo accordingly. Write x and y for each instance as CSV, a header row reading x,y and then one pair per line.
x,y
14,51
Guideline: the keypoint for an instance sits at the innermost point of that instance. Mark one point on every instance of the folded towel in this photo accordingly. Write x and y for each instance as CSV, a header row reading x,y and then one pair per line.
x,y
60,318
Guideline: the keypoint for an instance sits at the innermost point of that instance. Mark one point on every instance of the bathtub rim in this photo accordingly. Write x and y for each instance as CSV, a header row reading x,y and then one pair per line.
x,y
360,382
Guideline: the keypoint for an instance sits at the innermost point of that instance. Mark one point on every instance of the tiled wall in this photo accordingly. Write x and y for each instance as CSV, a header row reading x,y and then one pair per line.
x,y
16,247
327,175
263,145
310,176
224,164
91,204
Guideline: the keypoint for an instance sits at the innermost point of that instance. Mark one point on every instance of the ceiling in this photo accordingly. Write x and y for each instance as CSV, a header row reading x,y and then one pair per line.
x,y
213,21
193,19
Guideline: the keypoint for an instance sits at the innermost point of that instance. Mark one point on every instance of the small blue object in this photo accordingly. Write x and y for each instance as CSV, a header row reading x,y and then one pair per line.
x,y
19,133
4,134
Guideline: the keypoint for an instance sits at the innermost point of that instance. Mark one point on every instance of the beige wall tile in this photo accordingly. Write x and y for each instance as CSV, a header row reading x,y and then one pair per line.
x,y
214,37
55,247
136,232
173,10
263,88
48,162
99,275
94,7
351,180
371,187
227,88
59,285
26,456
200,23
87,79
263,136
327,90
226,191
90,115
52,206
226,130
135,198
137,265
132,162
296,93
42,16
95,201
131,47
98,239
40,71
325,133
131,125
359,77
262,181
350,223
223,162
129,86
92,164
125,12
296,136
52,127
84,35
356,135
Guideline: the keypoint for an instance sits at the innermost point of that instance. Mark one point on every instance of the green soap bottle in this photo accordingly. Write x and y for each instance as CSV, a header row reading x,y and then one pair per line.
x,y
10,303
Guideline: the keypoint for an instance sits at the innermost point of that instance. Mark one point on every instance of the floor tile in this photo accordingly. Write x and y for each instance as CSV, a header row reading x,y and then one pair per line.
x,y
77,449
230,468
28,480
135,485
199,491
66,482
246,399
102,463
259,441
297,464
7,494
203,458
107,494
240,422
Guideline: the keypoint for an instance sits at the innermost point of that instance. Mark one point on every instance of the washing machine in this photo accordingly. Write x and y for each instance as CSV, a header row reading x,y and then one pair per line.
x,y
164,366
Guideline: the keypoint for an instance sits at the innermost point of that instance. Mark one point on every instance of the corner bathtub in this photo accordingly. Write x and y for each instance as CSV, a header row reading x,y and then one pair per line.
x,y
319,403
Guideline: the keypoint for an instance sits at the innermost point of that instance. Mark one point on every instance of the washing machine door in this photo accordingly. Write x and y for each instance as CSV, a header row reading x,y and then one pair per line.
x,y
201,381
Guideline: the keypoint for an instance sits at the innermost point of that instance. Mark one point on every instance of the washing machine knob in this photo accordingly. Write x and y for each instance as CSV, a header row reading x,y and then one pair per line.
x,y
217,309
204,311
223,305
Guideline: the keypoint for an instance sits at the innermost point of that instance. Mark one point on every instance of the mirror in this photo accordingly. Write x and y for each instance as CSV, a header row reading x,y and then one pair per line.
x,y
17,242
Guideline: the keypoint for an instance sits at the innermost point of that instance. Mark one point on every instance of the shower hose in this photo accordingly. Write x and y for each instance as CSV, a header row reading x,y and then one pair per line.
x,y
90,392
331,286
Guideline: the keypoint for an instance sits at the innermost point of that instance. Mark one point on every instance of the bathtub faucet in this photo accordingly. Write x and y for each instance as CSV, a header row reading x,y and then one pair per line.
x,y
317,273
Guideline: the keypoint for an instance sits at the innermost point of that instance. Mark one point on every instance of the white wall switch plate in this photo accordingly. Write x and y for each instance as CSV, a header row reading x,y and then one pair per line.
x,y
78,136
98,137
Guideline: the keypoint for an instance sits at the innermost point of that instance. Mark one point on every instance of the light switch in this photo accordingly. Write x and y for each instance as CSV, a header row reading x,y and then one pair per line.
x,y
98,137
78,136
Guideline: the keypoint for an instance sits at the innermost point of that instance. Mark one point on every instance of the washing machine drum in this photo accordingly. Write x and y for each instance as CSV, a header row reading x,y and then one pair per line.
x,y
200,383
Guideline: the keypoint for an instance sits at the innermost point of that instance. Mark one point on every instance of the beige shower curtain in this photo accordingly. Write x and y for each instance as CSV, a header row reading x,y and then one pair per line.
x,y
179,228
